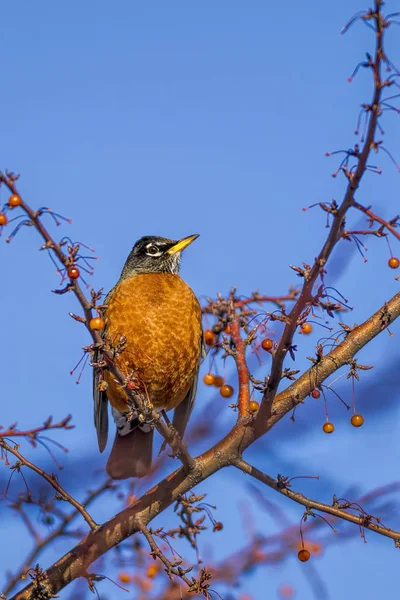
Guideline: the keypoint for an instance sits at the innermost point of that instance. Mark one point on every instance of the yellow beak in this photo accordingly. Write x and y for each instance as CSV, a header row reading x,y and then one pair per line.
x,y
182,244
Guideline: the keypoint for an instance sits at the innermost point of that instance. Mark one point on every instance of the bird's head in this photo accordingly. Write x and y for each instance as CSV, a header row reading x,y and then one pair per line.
x,y
152,254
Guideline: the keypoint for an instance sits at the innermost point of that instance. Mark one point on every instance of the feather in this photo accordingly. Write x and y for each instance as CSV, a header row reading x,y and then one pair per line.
x,y
131,454
100,397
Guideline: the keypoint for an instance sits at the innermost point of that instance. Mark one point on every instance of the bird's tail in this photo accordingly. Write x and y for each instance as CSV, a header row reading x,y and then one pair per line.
x,y
131,454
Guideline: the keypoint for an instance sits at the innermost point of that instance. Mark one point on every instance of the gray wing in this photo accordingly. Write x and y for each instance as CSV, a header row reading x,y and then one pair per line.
x,y
100,399
100,410
183,411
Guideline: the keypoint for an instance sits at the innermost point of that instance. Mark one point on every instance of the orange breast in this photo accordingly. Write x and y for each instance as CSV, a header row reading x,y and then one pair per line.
x,y
160,317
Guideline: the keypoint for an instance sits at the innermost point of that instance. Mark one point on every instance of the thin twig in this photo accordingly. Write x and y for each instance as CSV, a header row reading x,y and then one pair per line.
x,y
312,504
51,479
377,218
334,234
32,433
56,533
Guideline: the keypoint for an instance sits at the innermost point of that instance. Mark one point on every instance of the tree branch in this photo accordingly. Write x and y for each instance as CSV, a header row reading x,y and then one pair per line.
x,y
242,369
33,433
363,520
51,479
223,454
335,230
60,530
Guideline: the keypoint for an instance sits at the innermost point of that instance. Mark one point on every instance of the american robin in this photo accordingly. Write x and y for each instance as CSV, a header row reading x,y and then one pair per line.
x,y
159,318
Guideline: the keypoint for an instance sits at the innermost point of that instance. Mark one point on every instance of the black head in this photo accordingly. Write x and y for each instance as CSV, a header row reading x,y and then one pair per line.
x,y
152,254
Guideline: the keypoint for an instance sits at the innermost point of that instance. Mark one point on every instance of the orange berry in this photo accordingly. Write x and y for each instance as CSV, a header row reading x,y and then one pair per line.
x,y
73,272
124,578
152,571
209,337
254,406
208,379
328,427
3,219
394,262
145,585
303,555
306,328
315,548
286,591
227,330
218,526
267,344
357,420
226,391
315,393
14,200
218,381
97,323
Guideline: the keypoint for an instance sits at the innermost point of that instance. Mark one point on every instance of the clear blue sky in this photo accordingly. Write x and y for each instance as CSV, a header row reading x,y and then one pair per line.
x,y
172,118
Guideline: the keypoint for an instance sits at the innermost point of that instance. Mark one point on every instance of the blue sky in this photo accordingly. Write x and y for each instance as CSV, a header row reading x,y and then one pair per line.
x,y
176,118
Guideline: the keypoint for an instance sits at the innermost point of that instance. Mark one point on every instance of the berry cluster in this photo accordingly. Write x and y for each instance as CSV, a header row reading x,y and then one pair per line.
x,y
217,381
356,420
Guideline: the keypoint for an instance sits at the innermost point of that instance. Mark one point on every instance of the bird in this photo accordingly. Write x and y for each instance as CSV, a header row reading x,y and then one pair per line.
x,y
158,317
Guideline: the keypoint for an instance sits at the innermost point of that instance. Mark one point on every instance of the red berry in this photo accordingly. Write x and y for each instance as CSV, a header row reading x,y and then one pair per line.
x,y
306,328
304,555
3,219
209,379
131,385
226,391
328,427
209,337
97,323
267,344
14,200
357,420
254,406
218,381
217,526
73,272
315,393
394,262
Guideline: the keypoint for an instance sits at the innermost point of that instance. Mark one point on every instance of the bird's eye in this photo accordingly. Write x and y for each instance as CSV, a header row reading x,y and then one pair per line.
x,y
152,250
